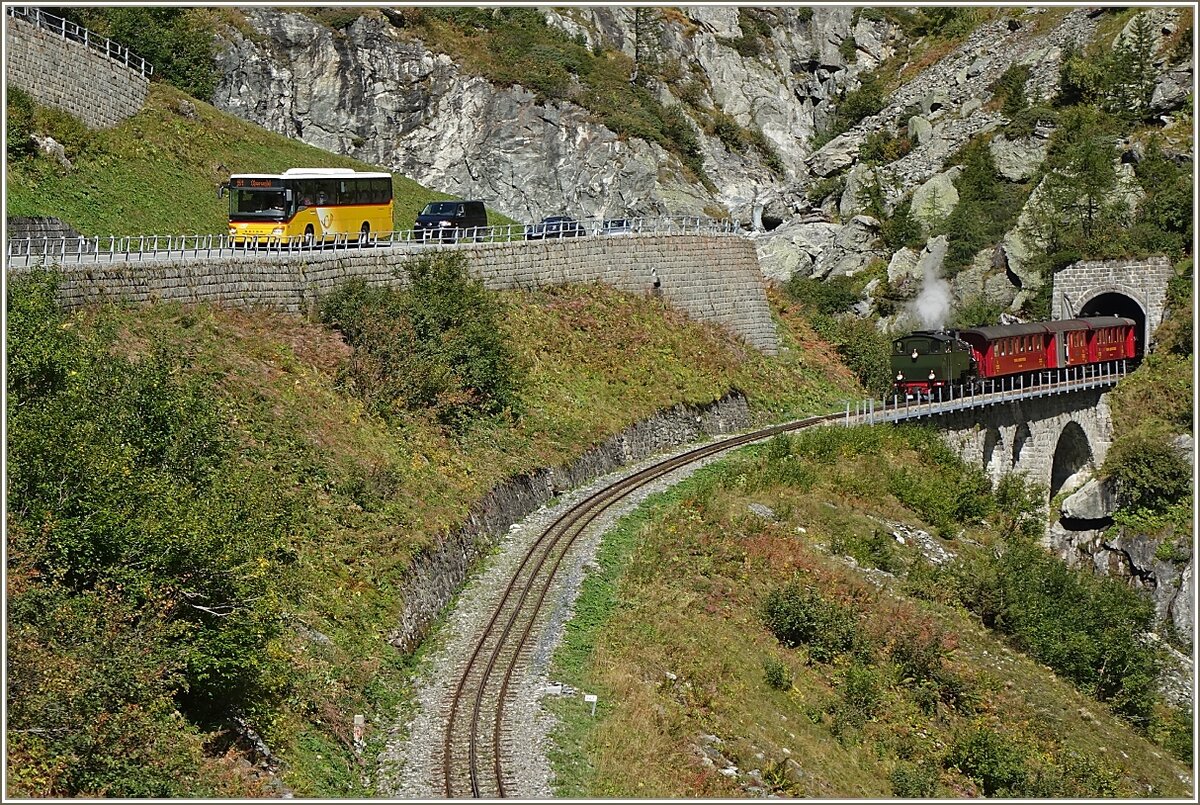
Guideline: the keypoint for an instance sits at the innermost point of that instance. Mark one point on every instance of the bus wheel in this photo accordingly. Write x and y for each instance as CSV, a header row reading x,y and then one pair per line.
x,y
364,234
309,237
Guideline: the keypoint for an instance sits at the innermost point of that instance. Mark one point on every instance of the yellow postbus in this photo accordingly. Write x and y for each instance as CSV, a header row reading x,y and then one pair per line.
x,y
308,205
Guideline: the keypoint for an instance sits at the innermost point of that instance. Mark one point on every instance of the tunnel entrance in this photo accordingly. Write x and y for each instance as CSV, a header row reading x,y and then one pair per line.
x,y
1118,304
1072,454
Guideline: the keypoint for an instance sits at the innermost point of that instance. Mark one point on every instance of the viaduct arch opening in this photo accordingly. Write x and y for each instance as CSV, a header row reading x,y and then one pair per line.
x,y
1072,454
1022,436
1112,303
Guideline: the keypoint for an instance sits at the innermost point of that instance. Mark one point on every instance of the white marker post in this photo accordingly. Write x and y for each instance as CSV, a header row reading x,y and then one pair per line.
x,y
590,698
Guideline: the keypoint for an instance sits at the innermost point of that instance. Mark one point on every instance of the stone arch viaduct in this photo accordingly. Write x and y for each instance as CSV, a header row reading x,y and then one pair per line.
x,y
1055,441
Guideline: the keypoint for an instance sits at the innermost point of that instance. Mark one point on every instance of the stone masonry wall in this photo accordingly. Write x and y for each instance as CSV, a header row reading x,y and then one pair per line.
x,y
69,76
1023,436
1143,280
712,278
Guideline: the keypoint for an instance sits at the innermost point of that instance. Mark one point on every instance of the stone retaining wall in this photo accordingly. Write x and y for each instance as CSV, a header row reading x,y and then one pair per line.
x,y
712,278
437,574
68,75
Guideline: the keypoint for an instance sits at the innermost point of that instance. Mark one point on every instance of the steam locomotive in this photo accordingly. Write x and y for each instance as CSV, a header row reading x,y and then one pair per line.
x,y
956,360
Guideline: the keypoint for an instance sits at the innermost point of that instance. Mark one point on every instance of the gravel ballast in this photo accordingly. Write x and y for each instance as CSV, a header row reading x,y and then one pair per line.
x,y
410,764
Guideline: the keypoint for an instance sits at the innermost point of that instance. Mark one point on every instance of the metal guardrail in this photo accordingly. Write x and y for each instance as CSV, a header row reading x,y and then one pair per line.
x,y
990,392
77,33
153,247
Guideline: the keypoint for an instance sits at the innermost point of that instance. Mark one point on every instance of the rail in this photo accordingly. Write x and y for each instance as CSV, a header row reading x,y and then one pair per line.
x,y
110,248
77,33
990,392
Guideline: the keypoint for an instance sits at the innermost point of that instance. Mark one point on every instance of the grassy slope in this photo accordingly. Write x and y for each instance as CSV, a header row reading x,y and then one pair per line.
x,y
597,361
679,591
158,171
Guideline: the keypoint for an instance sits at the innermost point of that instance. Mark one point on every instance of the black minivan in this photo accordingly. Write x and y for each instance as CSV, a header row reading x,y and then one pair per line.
x,y
451,220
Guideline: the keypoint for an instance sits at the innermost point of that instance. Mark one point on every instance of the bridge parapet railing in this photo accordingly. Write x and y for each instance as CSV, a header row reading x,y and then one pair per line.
x,y
66,29
991,392
110,248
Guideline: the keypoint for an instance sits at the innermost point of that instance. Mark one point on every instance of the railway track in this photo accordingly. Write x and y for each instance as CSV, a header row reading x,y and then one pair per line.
x,y
473,749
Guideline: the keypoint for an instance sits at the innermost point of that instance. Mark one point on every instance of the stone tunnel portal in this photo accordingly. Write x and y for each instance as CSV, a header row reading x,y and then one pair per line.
x,y
1118,304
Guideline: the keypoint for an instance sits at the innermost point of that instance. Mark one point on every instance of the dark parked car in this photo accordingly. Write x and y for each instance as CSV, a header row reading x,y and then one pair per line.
x,y
451,220
556,226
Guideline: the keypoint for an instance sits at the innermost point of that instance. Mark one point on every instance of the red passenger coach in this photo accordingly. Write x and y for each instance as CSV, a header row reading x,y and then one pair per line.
x,y
1009,349
1017,348
1112,339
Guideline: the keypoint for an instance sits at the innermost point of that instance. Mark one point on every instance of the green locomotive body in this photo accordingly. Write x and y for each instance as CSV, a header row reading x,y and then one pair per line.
x,y
928,360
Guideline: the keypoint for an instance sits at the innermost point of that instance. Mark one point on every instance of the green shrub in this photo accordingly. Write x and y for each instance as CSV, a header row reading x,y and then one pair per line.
x,y
901,229
977,312
177,41
913,780
1085,627
828,296
848,49
822,189
777,674
1150,473
995,762
882,147
434,346
798,614
152,558
1009,88
18,125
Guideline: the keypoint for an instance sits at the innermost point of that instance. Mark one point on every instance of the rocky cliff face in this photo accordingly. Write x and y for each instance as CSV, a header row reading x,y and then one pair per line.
x,y
374,91
371,92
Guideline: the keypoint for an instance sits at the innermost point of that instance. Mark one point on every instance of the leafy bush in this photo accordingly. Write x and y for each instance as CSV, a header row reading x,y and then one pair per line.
x,y
1085,627
777,674
876,549
177,41
435,345
995,762
829,296
754,29
18,124
798,614
848,49
1009,88
860,695
1149,471
147,560
822,189
882,147
913,780
901,229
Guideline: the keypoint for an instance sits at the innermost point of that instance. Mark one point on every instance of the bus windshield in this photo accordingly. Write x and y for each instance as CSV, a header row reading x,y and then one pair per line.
x,y
258,204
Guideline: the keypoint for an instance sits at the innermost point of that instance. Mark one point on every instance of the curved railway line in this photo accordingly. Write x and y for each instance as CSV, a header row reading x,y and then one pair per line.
x,y
473,751
473,747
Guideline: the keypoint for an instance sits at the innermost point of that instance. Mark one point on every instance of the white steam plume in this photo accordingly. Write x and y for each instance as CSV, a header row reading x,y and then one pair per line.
x,y
932,304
